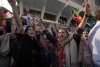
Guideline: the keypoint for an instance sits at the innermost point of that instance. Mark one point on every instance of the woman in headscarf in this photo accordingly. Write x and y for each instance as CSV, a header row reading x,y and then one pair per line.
x,y
85,56
29,49
69,43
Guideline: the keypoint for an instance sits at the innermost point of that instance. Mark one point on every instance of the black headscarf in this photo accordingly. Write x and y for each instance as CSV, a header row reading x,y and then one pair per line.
x,y
26,58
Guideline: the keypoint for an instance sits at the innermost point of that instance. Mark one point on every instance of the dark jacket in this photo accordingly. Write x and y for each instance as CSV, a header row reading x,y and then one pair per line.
x,y
29,52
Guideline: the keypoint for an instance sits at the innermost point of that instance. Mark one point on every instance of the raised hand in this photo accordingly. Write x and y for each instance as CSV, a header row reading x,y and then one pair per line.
x,y
87,9
41,25
16,14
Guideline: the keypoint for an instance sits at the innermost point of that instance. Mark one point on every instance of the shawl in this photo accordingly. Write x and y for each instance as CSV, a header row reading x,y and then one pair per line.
x,y
29,52
4,44
48,47
70,49
85,56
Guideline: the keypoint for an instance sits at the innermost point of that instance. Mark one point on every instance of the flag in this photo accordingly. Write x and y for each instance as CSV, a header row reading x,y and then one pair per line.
x,y
74,11
7,15
5,19
75,15
77,18
91,21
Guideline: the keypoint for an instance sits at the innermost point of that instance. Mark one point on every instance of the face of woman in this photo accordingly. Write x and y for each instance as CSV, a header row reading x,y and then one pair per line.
x,y
85,35
62,35
30,32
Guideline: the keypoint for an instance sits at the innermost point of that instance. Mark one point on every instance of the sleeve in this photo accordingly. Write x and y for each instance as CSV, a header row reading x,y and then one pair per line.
x,y
38,33
50,37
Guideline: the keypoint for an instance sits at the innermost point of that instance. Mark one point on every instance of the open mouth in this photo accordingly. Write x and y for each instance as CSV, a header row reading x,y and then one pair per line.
x,y
86,36
31,33
61,37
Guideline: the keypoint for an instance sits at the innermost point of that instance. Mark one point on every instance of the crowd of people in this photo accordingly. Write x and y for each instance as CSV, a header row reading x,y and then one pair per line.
x,y
27,42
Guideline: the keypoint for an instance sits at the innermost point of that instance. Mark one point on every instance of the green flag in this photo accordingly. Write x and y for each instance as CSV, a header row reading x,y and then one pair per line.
x,y
74,11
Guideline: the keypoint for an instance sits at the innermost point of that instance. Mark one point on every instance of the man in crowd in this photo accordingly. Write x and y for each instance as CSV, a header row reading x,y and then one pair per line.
x,y
94,40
